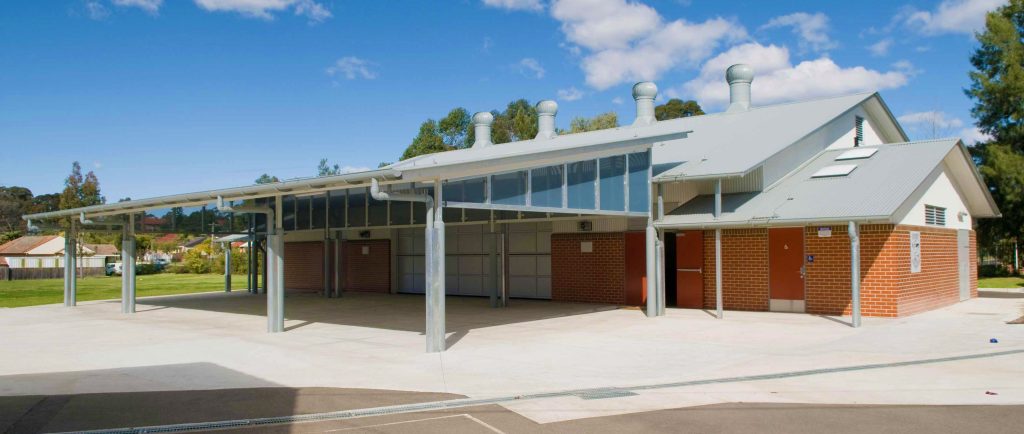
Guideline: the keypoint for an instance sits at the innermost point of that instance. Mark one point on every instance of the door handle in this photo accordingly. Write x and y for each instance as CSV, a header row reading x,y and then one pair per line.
x,y
803,271
692,270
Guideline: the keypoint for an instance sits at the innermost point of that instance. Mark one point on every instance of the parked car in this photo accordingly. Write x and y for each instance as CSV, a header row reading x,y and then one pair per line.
x,y
113,268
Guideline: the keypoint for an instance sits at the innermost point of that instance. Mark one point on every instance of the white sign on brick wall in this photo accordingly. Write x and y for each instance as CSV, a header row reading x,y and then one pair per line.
x,y
915,252
586,247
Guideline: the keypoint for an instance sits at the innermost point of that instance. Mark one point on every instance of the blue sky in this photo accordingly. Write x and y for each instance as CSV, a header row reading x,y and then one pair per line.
x,y
161,97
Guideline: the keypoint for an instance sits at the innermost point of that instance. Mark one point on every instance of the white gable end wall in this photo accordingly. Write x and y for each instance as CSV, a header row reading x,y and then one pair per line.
x,y
51,247
839,133
941,193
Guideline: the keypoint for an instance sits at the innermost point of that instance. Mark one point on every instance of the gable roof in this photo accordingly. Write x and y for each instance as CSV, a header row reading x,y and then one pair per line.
x,y
874,191
734,143
23,245
102,249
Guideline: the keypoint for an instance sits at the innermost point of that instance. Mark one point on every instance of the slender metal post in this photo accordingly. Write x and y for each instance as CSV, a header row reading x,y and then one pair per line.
x,y
125,252
227,266
505,282
718,273
68,271
337,264
855,273
652,268
278,296
492,259
132,256
327,265
660,278
270,273
73,284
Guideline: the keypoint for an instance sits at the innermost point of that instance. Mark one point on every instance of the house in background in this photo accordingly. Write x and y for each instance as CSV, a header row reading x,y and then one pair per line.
x,y
42,256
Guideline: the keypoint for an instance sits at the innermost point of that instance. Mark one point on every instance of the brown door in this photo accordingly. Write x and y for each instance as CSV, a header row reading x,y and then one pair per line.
x,y
786,263
367,265
636,268
690,269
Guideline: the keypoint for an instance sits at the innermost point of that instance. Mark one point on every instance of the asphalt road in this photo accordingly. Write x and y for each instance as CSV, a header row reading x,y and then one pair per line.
x,y
32,414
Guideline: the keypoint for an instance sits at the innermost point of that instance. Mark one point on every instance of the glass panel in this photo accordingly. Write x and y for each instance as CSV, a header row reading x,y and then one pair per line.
x,y
546,186
639,182
288,214
338,209
452,191
613,187
302,213
509,188
474,190
378,212
580,180
401,212
357,208
319,212
261,219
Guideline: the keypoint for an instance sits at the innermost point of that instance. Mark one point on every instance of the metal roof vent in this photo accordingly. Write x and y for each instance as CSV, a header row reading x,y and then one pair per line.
x,y
857,154
739,77
644,93
482,129
546,111
834,171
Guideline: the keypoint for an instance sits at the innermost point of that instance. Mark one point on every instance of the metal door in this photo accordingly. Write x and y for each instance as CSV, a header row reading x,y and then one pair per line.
x,y
963,256
636,268
690,269
786,263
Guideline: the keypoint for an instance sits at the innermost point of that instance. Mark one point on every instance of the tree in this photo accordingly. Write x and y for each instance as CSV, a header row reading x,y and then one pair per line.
x,y
14,202
676,108
997,83
599,122
997,88
455,131
517,122
324,169
80,191
267,179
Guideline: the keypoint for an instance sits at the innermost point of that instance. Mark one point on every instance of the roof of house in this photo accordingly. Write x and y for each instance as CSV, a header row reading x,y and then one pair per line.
x,y
734,143
23,245
102,249
874,190
166,238
194,242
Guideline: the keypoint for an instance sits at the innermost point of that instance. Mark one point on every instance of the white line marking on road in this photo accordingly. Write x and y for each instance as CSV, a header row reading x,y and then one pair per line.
x,y
463,415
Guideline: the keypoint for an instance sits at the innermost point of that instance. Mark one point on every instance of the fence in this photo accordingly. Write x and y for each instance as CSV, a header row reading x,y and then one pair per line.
x,y
7,273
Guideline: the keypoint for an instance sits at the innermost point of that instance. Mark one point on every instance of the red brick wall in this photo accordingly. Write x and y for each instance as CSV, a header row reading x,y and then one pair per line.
x,y
938,283
597,277
303,266
888,289
369,273
883,254
744,269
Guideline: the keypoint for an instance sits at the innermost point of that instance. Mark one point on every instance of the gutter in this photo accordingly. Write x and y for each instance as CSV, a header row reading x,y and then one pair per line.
x,y
769,222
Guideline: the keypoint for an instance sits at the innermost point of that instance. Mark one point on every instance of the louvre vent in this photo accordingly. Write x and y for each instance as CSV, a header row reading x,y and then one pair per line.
x,y
935,216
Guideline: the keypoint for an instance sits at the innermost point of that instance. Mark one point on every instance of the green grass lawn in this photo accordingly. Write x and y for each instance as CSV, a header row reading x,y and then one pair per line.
x,y
1000,282
17,293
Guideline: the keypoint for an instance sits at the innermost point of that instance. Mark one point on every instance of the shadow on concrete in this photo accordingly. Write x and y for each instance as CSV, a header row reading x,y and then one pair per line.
x,y
402,312
248,397
834,319
999,294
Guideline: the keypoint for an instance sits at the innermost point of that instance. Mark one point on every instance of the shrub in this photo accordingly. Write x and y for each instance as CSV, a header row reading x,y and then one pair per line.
x,y
993,270
143,269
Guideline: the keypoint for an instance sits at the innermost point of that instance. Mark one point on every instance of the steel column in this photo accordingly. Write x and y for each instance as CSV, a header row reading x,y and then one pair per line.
x,y
227,266
436,291
327,265
337,264
718,273
68,270
650,260
855,273
73,284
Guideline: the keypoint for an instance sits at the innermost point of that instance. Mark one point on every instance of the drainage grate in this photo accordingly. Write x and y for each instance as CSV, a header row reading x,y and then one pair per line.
x,y
605,394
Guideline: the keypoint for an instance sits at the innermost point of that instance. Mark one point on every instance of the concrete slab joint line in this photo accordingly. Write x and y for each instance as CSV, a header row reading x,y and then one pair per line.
x,y
471,402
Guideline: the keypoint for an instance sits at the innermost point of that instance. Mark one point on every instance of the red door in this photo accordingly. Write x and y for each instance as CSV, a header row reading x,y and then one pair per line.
x,y
690,269
786,263
636,268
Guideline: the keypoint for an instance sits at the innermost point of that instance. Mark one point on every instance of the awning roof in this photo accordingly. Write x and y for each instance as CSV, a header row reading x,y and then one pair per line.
x,y
445,165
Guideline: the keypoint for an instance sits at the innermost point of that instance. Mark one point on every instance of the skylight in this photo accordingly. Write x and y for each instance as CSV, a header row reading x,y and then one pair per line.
x,y
857,154
834,171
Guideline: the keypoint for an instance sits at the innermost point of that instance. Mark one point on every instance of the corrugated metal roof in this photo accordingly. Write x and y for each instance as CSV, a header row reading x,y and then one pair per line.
x,y
875,190
733,143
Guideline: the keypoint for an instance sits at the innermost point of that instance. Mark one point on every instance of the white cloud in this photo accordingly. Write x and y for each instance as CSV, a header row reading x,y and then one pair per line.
x,y
972,136
151,6
618,100
629,41
96,11
265,9
811,28
488,43
530,67
351,68
881,48
515,5
930,119
778,80
570,94
953,16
